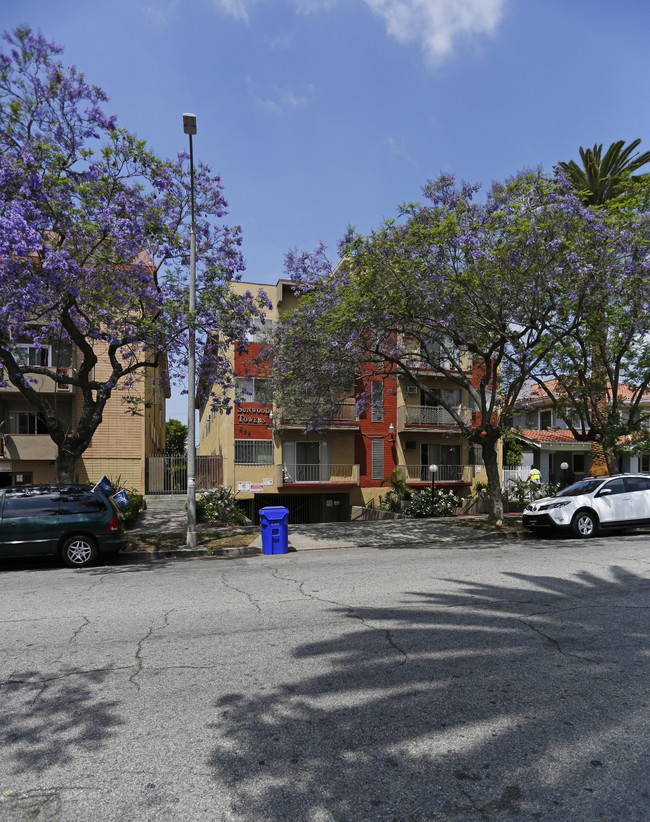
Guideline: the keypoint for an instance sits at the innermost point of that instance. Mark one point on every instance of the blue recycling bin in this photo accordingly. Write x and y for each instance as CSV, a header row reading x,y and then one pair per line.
x,y
274,521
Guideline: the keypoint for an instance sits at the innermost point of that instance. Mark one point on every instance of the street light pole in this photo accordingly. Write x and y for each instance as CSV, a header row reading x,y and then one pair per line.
x,y
189,127
433,468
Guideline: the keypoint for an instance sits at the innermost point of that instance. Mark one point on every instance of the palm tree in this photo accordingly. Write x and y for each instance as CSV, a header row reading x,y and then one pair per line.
x,y
602,178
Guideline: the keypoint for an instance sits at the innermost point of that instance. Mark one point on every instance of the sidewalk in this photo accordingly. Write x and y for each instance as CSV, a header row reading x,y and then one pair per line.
x,y
376,534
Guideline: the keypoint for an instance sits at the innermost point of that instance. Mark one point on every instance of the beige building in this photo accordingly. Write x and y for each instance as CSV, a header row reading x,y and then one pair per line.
x,y
270,460
119,447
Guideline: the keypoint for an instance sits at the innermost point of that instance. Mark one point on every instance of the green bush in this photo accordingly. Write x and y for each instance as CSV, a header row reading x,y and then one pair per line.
x,y
131,512
219,505
443,504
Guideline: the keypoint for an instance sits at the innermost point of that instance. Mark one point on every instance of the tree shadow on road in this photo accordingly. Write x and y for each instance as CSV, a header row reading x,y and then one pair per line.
x,y
49,720
489,702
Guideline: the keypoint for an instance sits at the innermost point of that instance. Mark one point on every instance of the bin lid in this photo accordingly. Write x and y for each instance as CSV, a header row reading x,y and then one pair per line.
x,y
274,511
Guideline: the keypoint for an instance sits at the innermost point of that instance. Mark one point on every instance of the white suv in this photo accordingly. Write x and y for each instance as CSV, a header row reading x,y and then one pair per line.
x,y
619,501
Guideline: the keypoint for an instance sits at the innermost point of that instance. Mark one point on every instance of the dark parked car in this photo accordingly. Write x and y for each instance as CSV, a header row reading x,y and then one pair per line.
x,y
76,522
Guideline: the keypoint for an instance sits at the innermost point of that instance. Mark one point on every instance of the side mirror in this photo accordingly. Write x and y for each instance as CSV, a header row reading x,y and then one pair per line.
x,y
605,492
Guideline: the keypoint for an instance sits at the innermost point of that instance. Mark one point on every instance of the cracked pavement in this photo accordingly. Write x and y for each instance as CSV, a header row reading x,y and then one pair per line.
x,y
474,682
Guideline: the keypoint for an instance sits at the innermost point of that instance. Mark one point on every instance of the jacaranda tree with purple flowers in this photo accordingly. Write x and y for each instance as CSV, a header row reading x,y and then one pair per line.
x,y
94,244
600,373
474,292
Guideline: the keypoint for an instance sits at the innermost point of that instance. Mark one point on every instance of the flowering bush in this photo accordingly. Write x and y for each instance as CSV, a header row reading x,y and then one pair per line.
x,y
439,504
219,505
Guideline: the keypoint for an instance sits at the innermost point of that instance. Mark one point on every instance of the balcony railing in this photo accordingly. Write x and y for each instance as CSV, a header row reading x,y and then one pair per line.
x,y
324,473
445,473
430,416
343,414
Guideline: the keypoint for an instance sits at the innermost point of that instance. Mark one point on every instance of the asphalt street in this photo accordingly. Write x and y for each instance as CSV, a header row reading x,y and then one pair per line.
x,y
475,680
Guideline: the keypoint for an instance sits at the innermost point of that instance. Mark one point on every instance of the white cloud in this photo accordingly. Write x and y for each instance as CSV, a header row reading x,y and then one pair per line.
x,y
285,99
437,24
235,8
161,11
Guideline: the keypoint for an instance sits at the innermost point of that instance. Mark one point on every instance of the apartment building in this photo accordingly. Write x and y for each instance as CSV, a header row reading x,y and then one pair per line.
x,y
120,445
269,459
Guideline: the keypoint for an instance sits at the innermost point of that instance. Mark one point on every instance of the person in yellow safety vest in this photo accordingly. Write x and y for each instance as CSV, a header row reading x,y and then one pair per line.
x,y
535,478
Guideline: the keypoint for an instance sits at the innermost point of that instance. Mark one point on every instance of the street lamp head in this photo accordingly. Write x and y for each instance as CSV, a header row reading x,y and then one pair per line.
x,y
564,466
433,468
189,123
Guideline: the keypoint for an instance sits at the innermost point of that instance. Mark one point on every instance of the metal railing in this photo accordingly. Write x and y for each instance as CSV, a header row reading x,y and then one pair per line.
x,y
331,473
345,412
445,473
431,415
167,474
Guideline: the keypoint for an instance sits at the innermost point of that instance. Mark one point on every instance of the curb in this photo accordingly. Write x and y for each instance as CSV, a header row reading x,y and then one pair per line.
x,y
187,553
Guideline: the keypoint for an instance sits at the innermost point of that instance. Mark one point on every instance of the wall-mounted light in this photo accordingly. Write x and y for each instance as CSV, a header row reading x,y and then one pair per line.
x,y
391,432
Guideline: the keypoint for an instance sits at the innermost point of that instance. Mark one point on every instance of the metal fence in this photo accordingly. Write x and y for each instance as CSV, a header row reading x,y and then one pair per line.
x,y
167,474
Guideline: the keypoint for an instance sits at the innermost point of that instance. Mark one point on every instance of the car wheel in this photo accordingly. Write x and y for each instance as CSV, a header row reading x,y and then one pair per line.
x,y
78,552
584,524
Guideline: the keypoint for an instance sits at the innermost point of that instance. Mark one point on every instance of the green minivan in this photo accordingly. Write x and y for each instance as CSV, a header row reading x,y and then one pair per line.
x,y
76,522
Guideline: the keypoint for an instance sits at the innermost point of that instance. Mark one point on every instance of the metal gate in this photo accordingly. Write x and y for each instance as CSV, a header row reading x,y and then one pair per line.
x,y
167,474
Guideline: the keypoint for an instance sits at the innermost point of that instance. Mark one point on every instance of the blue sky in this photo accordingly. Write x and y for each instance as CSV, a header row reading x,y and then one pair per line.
x,y
324,113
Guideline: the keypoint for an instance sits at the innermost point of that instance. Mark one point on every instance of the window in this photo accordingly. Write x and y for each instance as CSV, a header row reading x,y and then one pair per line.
x,y
30,505
452,396
578,463
25,422
259,331
377,401
377,459
545,420
637,483
252,389
645,463
31,355
253,452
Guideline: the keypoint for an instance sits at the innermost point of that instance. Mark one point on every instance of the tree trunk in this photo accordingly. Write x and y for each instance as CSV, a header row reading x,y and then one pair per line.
x,y
64,465
490,458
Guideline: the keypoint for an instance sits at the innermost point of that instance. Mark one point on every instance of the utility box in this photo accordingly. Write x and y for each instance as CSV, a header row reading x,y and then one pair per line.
x,y
274,521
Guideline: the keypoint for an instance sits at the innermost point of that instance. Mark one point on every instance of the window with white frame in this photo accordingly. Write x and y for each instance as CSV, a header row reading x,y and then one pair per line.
x,y
25,422
27,354
253,452
252,389
259,331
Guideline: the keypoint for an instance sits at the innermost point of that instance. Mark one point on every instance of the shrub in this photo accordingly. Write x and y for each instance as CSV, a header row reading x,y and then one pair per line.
x,y
219,505
443,504
131,512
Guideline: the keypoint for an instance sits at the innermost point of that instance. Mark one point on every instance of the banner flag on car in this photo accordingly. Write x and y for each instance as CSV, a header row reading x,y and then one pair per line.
x,y
104,486
121,498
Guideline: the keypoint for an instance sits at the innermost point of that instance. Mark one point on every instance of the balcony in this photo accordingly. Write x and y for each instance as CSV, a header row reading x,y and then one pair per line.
x,y
457,474
29,447
43,385
292,474
342,417
426,417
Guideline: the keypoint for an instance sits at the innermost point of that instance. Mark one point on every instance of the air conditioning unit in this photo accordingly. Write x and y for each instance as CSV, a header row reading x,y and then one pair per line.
x,y
411,389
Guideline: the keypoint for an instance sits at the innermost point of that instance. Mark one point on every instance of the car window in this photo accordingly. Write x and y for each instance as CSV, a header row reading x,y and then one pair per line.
x,y
80,502
637,483
582,487
30,505
616,486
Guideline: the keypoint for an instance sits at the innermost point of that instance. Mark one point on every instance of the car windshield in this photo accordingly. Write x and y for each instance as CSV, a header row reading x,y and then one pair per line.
x,y
582,487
